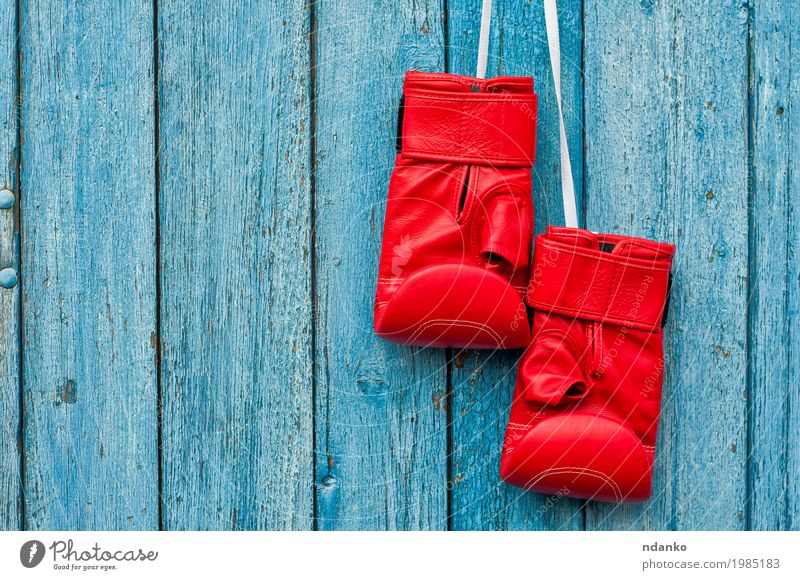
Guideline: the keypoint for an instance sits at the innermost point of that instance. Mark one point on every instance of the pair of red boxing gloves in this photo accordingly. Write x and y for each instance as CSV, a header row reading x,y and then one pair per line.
x,y
455,271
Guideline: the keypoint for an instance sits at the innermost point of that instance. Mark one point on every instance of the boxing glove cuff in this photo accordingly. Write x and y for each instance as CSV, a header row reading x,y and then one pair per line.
x,y
490,127
610,285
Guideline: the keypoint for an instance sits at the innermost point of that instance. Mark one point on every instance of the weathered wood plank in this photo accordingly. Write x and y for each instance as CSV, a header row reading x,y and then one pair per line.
x,y
235,198
89,284
666,135
10,481
381,422
774,271
483,382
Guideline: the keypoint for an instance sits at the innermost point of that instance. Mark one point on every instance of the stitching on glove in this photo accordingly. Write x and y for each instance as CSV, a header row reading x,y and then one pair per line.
x,y
606,318
464,324
580,471
468,159
510,98
638,263
519,426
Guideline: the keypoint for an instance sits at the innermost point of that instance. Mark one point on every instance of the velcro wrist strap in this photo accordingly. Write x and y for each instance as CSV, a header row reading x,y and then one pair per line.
x,y
480,128
599,286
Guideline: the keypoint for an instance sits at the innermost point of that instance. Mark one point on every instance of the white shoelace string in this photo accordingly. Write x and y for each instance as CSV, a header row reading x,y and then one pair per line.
x,y
554,46
483,45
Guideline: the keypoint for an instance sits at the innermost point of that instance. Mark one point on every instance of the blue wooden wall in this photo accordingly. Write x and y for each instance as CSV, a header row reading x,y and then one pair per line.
x,y
190,221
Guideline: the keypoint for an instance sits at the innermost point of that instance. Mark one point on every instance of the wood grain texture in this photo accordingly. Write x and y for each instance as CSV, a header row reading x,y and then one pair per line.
x,y
666,134
483,381
259,227
774,272
10,481
235,204
89,283
381,428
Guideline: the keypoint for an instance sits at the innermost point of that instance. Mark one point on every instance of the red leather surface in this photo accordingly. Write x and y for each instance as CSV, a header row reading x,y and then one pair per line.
x,y
495,126
585,414
473,306
600,286
456,242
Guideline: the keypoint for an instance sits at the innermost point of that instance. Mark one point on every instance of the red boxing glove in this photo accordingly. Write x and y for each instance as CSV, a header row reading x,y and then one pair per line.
x,y
588,396
456,240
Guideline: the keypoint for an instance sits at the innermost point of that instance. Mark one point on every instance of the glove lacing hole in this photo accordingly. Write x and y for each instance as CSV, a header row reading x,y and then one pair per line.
x,y
462,200
498,263
575,391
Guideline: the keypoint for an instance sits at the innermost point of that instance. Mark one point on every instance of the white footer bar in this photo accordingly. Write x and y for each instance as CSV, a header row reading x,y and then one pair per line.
x,y
406,555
